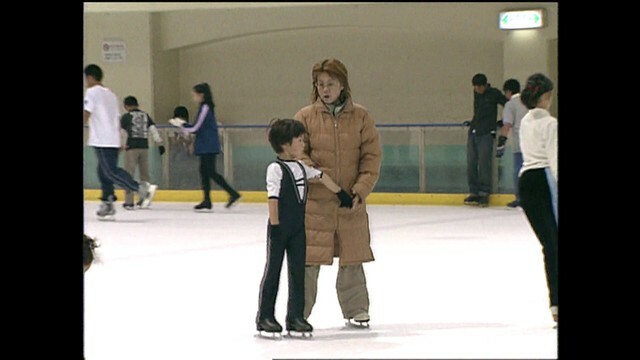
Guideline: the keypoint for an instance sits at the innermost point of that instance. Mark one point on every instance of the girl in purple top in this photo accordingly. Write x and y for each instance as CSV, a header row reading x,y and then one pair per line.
x,y
207,146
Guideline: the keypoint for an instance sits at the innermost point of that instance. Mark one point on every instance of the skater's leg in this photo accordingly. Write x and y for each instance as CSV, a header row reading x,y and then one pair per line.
x,y
270,278
517,165
205,171
219,179
296,258
311,273
130,167
105,182
143,165
535,199
472,165
353,295
485,146
108,160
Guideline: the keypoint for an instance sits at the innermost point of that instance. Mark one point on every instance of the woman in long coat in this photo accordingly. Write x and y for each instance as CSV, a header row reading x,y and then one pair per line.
x,y
343,142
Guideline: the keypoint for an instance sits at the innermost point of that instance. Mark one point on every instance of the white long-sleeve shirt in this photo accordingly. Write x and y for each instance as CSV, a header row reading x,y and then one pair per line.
x,y
539,141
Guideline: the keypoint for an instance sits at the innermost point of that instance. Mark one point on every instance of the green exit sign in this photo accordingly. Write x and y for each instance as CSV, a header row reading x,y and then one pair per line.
x,y
523,19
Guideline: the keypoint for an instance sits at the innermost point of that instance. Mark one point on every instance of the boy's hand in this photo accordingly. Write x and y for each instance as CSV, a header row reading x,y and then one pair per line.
x,y
275,233
502,141
346,200
161,149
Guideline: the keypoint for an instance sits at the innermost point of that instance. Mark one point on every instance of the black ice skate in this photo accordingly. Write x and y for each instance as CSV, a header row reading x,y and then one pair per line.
x,y
232,201
269,328
360,321
146,192
106,210
204,206
299,328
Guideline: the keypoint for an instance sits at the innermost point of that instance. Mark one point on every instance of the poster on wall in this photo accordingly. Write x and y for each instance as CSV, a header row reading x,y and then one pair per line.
x,y
114,50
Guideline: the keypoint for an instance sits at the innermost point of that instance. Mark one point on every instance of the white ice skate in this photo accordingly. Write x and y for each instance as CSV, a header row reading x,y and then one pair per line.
x,y
359,321
106,211
146,192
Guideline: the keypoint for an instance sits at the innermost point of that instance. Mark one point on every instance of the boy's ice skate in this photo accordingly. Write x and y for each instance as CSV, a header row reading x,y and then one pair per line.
x,y
106,210
299,328
269,328
146,192
360,321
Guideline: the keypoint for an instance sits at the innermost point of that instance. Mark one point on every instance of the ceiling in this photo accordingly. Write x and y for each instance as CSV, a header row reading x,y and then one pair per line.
x,y
100,7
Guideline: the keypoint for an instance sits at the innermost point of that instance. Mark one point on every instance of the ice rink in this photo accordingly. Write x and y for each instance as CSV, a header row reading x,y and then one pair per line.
x,y
448,282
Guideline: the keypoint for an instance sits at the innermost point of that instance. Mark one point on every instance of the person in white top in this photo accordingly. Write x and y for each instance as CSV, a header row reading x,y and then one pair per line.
x,y
101,112
539,175
514,111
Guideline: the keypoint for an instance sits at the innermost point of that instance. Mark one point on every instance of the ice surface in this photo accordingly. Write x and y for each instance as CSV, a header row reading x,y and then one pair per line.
x,y
448,282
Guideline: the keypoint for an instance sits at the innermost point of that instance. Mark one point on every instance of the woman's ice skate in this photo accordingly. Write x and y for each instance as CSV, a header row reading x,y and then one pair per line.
x,y
360,321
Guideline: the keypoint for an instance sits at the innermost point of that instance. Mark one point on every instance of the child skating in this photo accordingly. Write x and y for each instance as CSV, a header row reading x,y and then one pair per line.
x,y
138,126
103,115
287,189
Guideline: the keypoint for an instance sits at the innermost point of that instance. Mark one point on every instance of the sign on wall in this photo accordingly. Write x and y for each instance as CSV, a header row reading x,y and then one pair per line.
x,y
114,50
524,19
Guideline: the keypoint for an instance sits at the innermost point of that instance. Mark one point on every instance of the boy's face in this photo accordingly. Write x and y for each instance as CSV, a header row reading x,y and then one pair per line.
x,y
90,81
508,94
296,148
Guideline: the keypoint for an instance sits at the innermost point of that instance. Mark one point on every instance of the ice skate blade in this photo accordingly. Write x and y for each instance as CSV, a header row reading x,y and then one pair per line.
x,y
204,211
107,218
269,335
357,324
292,334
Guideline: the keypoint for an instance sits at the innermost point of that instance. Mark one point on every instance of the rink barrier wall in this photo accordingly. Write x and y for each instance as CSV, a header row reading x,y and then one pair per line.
x,y
261,197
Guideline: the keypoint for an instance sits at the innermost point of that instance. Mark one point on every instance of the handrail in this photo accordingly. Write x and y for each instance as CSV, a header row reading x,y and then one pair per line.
x,y
257,126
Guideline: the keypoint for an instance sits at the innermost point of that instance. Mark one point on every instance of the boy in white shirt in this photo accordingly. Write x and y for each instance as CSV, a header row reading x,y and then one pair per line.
x,y
514,111
539,175
101,111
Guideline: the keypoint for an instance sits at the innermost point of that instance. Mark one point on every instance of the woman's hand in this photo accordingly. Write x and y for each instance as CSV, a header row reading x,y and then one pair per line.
x,y
356,200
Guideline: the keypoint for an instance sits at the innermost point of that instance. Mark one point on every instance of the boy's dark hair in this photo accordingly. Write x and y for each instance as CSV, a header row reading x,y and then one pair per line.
x,y
537,85
181,112
512,85
130,101
282,131
94,71
88,254
479,79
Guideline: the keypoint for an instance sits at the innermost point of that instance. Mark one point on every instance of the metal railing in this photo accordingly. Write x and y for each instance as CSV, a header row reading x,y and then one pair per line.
x,y
416,158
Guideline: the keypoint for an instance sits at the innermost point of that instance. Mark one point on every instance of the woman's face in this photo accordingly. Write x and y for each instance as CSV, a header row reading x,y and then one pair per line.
x,y
329,88
197,97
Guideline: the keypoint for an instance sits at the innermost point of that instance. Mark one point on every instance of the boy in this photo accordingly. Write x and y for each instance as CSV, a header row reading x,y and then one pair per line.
x,y
137,125
287,190
102,113
512,114
482,132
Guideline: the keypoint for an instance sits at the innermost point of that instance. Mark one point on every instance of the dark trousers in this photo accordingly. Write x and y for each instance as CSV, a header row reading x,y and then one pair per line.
x,y
109,173
208,172
479,159
296,247
536,200
517,164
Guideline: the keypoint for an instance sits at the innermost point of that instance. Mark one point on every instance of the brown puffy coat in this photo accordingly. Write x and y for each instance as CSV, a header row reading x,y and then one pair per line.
x,y
348,150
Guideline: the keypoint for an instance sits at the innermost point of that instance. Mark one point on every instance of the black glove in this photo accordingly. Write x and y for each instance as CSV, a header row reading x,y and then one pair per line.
x,y
500,123
466,123
502,140
161,149
346,200
275,233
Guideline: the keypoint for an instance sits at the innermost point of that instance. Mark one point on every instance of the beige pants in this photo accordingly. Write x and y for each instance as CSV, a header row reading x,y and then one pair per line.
x,y
351,286
136,158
